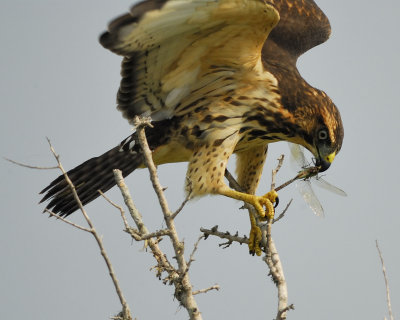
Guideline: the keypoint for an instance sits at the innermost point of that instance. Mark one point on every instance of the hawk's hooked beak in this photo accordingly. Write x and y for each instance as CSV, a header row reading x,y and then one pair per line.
x,y
324,162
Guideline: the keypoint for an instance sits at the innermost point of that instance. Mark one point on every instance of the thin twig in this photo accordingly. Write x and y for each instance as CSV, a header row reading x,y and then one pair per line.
x,y
214,287
125,308
283,212
66,221
139,237
121,210
224,235
29,166
173,216
191,257
276,170
386,282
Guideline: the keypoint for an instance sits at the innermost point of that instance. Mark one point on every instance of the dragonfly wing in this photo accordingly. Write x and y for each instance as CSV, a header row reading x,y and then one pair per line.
x,y
306,191
330,187
297,155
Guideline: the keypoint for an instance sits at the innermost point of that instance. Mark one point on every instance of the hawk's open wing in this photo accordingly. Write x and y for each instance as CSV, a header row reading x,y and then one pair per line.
x,y
168,46
302,26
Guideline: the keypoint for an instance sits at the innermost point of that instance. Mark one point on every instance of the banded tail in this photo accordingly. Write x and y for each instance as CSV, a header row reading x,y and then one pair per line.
x,y
97,173
89,177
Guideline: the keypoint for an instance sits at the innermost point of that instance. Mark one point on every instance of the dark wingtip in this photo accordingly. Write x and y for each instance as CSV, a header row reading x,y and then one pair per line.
x,y
104,39
110,38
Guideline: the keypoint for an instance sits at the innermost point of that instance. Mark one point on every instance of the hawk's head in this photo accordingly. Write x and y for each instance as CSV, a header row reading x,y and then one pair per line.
x,y
319,126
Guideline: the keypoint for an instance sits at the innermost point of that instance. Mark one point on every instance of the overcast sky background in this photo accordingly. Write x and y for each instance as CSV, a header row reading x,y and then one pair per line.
x,y
57,81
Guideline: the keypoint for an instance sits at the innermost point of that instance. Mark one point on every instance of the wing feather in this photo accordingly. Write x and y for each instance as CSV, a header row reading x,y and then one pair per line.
x,y
168,47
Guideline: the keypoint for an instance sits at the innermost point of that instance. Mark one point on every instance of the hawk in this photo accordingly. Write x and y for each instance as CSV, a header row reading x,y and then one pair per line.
x,y
216,77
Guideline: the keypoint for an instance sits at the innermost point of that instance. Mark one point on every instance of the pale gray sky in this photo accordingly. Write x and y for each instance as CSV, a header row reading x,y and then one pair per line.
x,y
57,81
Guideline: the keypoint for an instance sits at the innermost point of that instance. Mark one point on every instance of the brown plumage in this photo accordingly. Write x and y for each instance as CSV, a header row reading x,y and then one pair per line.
x,y
217,77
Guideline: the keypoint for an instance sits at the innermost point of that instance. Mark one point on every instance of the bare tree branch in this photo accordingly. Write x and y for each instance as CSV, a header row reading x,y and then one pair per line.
x,y
276,270
183,290
163,265
386,281
179,277
273,260
125,308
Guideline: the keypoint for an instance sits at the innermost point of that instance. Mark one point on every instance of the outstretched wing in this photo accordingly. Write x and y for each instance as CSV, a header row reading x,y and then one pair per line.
x,y
171,46
302,26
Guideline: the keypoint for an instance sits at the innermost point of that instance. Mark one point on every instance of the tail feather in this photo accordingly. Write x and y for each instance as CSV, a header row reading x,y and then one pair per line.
x,y
97,173
89,177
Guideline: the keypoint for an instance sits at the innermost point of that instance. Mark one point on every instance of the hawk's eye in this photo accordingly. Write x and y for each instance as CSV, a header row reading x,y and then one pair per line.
x,y
322,134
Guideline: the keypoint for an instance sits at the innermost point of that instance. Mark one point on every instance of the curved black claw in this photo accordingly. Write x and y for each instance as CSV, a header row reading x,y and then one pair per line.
x,y
276,202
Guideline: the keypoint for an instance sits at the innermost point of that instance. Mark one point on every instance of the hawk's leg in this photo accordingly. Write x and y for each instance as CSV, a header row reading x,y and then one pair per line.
x,y
249,169
206,173
259,203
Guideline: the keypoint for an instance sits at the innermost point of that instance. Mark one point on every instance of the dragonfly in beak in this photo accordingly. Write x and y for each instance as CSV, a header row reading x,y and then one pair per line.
x,y
308,175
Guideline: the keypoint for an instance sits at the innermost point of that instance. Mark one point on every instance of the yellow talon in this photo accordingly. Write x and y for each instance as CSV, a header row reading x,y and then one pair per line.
x,y
258,202
254,237
266,201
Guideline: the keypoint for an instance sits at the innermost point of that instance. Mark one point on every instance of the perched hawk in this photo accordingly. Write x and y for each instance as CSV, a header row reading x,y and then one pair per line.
x,y
217,77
